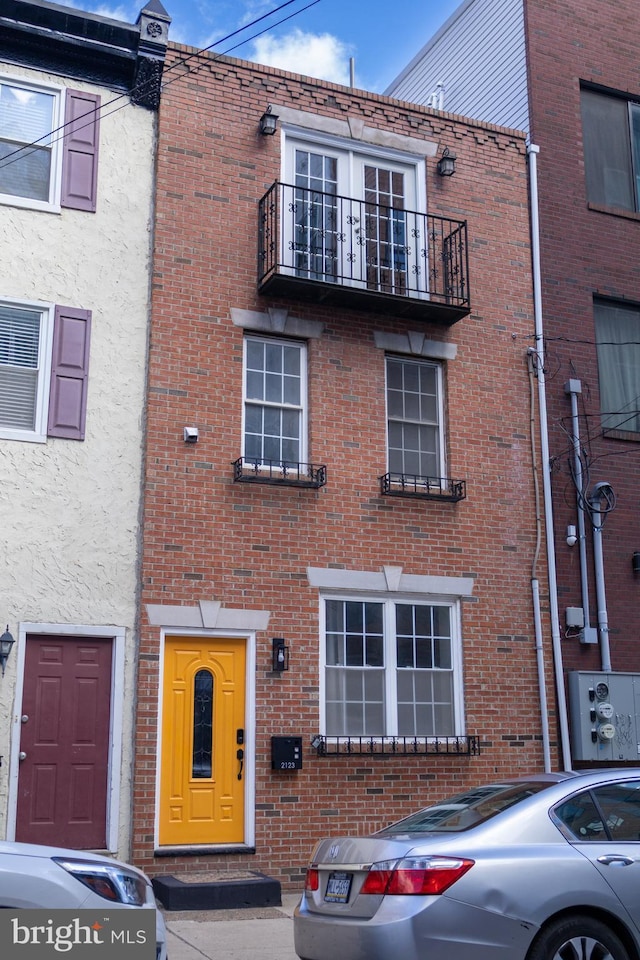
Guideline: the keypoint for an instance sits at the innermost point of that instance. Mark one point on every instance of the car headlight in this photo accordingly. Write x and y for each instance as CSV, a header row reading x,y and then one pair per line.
x,y
113,882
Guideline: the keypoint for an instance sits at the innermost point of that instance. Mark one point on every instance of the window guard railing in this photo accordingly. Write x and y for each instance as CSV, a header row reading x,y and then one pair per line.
x,y
316,236
425,488
396,746
281,472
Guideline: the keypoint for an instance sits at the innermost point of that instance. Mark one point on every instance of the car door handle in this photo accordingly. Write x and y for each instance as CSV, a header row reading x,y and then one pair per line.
x,y
616,860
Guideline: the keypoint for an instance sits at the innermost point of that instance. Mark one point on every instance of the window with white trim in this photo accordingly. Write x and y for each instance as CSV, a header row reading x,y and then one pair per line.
x,y
391,668
49,139
29,154
25,359
44,369
274,400
353,214
414,418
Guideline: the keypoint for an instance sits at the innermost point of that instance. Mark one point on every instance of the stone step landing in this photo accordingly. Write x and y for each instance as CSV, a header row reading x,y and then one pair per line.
x,y
217,891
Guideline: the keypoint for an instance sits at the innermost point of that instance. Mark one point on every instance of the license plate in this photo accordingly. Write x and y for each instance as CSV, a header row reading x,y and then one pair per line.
x,y
338,887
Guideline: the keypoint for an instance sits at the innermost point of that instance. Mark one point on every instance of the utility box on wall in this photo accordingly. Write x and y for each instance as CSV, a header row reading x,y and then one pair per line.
x,y
605,716
286,753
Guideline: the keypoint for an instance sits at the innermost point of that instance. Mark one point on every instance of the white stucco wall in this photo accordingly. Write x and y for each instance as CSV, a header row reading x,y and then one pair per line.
x,y
70,510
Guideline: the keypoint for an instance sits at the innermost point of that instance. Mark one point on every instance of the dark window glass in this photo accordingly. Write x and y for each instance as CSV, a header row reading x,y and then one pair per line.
x,y
202,724
608,124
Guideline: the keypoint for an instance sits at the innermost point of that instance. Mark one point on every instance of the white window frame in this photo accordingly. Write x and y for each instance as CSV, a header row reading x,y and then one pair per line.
x,y
390,600
52,204
45,347
302,347
351,155
440,403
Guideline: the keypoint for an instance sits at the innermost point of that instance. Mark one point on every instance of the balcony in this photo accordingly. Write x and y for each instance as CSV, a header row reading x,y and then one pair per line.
x,y
353,253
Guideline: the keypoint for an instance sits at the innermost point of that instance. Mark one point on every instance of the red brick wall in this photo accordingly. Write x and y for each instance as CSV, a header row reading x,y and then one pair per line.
x,y
249,546
585,253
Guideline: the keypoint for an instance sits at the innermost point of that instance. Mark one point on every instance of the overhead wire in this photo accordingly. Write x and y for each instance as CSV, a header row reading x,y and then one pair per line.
x,y
100,111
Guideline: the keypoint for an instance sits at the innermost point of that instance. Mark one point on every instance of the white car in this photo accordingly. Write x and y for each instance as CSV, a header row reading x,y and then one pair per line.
x,y
49,878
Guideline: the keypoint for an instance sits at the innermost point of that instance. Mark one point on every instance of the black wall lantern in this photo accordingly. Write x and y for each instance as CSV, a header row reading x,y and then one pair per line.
x,y
268,123
447,163
280,655
6,643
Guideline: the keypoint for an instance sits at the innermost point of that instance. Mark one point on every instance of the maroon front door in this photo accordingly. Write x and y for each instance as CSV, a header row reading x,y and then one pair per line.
x,y
64,745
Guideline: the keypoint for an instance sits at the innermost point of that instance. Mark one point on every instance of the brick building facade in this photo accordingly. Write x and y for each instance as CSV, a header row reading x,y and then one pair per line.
x,y
341,475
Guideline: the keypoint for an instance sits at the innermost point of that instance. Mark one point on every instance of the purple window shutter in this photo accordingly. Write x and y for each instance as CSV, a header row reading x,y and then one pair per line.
x,y
80,151
69,373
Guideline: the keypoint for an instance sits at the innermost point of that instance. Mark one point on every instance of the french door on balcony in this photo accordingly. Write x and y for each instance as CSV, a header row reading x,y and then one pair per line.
x,y
350,219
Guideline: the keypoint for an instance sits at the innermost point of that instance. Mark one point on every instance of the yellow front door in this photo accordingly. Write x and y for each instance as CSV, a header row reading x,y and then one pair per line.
x,y
203,720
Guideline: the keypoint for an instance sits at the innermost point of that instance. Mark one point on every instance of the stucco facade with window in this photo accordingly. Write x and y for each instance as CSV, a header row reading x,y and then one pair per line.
x,y
341,525
572,82
76,211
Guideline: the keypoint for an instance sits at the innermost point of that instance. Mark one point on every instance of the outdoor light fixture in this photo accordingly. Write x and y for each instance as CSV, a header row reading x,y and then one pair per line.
x,y
268,123
280,655
635,562
6,642
447,163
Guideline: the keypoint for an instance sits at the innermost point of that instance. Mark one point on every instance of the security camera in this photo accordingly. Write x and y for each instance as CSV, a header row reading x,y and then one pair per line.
x,y
190,434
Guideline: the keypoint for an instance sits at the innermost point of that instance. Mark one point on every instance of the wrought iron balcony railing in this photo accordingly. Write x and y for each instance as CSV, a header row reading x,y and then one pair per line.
x,y
423,488
396,746
281,472
350,252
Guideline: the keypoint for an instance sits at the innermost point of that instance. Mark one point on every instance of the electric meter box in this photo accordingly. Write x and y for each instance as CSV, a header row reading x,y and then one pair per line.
x,y
286,753
605,716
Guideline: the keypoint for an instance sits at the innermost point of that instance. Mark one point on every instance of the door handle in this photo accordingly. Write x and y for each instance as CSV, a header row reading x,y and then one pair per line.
x,y
22,755
240,756
616,860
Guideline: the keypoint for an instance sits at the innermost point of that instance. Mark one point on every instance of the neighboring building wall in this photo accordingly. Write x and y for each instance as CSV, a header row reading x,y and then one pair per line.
x,y
589,260
587,252
71,507
477,60
235,563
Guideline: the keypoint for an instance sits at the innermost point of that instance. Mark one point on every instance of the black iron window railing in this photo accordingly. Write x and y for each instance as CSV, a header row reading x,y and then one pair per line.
x,y
309,237
424,488
396,746
282,472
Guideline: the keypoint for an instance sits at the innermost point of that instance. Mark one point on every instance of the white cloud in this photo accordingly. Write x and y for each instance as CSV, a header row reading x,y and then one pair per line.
x,y
315,55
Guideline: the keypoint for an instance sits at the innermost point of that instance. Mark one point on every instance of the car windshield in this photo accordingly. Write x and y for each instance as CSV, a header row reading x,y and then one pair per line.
x,y
466,810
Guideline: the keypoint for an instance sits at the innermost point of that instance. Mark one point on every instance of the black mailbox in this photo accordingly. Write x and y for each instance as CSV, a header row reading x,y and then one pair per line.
x,y
286,753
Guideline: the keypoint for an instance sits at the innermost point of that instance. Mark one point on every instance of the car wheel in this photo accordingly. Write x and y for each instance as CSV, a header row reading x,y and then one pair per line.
x,y
578,938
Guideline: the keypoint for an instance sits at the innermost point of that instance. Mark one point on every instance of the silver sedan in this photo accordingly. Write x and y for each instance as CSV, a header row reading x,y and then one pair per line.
x,y
542,868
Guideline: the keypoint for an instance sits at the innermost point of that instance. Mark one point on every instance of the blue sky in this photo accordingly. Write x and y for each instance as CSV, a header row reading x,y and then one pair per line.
x,y
318,41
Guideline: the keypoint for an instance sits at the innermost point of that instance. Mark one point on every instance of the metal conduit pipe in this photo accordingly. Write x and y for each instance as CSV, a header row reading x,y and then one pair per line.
x,y
563,721
601,491
573,388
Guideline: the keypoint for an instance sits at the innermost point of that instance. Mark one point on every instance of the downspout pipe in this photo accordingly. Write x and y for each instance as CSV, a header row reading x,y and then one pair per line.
x,y
563,721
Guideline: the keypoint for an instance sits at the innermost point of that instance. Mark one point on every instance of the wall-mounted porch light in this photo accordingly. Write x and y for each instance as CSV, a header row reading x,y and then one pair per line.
x,y
6,643
280,655
268,122
447,163
635,562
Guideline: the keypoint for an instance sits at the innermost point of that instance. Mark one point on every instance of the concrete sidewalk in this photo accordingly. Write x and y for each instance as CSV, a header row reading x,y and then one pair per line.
x,y
263,933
